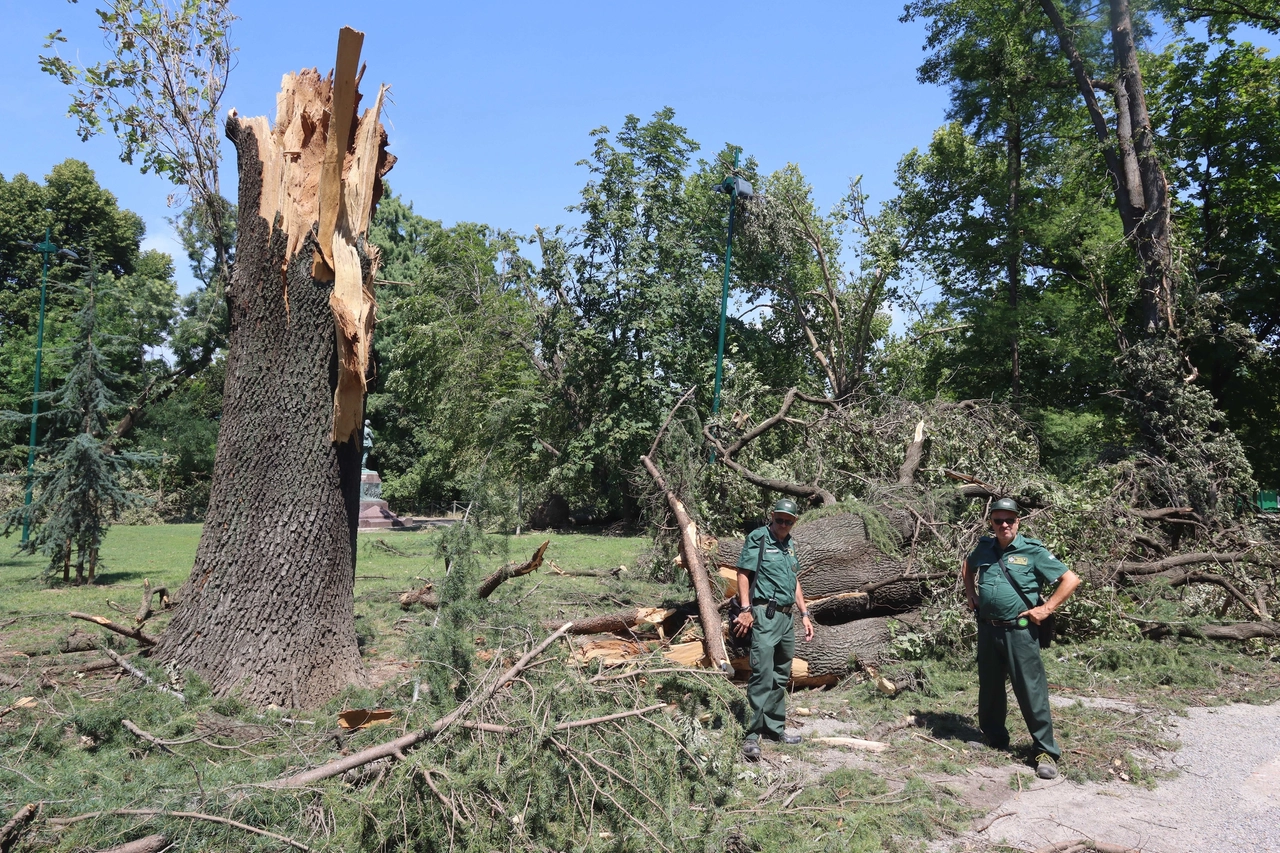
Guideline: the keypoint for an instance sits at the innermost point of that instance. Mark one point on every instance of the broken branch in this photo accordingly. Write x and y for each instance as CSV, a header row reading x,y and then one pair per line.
x,y
708,611
131,633
9,832
62,822
396,748
511,570
142,676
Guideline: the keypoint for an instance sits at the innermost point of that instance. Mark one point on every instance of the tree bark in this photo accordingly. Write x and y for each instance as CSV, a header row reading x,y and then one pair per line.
x,y
837,556
1141,190
708,601
834,646
268,609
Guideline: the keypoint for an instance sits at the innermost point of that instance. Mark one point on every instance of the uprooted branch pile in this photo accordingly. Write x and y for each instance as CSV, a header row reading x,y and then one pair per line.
x,y
901,491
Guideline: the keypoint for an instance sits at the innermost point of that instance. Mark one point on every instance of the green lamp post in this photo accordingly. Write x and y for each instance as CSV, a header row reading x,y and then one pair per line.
x,y
46,250
736,188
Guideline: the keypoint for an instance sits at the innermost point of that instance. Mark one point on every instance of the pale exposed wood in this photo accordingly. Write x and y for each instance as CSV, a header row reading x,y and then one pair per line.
x,y
352,299
911,463
345,69
315,168
687,654
850,743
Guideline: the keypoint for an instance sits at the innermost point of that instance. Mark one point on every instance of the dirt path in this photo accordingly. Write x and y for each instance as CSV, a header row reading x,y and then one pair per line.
x,y
1226,796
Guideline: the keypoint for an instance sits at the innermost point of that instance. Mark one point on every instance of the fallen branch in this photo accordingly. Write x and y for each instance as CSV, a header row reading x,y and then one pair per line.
x,y
425,596
62,822
1207,577
708,609
397,747
933,576
150,844
494,728
1233,631
657,439
131,633
142,676
512,570
911,462
1129,568
10,831
144,610
623,621
726,454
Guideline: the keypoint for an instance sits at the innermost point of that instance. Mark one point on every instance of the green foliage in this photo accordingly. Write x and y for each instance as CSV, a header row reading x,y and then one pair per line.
x,y
77,486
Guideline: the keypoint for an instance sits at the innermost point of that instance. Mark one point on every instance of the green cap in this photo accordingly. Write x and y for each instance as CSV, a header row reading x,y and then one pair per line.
x,y
1008,505
786,506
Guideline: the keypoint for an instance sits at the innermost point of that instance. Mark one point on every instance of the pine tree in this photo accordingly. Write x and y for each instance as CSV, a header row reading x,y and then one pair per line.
x,y
77,489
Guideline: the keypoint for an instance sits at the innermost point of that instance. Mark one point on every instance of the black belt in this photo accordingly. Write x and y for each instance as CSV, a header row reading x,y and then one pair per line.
x,y
1001,623
780,608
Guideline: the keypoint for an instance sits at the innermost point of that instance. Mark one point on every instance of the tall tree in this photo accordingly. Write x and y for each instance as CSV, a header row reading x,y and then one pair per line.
x,y
77,489
160,91
268,609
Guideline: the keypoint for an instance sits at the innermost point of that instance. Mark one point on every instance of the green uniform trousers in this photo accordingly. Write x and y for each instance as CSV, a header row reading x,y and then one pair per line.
x,y
1015,653
773,645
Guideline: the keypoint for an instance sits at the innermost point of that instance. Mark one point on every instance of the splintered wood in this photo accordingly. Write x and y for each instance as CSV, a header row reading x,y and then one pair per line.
x,y
316,169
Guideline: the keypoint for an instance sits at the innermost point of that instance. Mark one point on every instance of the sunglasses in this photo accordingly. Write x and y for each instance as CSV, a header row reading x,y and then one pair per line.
x,y
784,522
1001,522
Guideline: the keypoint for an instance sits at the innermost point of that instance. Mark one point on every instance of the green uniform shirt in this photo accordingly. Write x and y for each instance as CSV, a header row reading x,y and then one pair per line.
x,y
1029,563
776,578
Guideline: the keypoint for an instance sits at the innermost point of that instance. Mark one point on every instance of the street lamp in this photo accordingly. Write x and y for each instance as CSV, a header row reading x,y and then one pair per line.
x,y
736,188
46,249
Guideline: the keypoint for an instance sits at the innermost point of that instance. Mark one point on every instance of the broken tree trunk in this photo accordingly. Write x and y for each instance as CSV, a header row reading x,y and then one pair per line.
x,y
708,601
268,609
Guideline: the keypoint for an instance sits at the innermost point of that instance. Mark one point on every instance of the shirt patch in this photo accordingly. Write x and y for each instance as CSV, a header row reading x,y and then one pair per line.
x,y
1018,561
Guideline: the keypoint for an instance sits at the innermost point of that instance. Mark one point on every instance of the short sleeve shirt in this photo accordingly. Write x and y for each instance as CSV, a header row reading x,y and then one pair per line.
x,y
1030,565
776,578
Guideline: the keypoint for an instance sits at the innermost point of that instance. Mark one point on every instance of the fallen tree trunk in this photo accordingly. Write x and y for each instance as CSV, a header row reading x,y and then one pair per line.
x,y
708,609
1131,568
624,621
834,646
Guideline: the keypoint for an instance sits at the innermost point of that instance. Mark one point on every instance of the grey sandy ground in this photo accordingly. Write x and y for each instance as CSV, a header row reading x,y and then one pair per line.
x,y
1226,796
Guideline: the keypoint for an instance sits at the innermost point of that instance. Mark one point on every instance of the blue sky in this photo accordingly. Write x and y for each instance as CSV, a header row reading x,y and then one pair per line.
x,y
493,101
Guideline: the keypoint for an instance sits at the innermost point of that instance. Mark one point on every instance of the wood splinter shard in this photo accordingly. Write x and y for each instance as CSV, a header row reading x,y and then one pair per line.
x,y
322,168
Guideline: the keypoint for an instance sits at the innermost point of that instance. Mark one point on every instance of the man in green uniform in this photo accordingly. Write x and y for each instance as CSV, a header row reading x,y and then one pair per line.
x,y
1002,579
770,598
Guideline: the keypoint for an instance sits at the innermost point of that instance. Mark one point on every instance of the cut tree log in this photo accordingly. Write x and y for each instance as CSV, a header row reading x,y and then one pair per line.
x,y
834,646
708,609
512,570
425,597
268,610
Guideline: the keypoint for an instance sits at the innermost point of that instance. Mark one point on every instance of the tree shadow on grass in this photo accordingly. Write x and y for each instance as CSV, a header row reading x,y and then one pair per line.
x,y
111,578
949,725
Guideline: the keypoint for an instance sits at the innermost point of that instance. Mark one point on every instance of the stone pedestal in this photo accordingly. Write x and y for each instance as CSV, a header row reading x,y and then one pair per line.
x,y
374,512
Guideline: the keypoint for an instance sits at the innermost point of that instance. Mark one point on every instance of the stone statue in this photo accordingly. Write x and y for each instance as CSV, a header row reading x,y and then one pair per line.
x,y
368,446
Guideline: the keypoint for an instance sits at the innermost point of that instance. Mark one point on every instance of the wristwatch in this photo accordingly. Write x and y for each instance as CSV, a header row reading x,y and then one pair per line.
x,y
804,614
